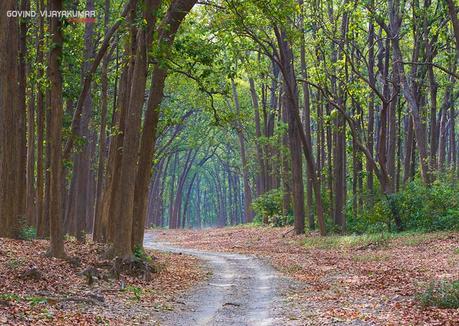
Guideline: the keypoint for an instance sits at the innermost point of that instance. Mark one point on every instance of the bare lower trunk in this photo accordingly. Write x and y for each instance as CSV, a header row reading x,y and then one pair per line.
x,y
12,177
55,144
248,211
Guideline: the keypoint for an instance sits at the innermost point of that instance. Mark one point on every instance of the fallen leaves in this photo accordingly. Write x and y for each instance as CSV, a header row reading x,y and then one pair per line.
x,y
39,290
346,279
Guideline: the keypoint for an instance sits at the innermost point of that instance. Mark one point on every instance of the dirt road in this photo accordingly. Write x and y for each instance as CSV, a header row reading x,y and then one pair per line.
x,y
242,290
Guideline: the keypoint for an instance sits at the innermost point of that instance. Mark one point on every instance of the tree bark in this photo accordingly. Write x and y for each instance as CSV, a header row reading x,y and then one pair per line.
x,y
55,139
248,211
97,229
41,220
12,177
82,159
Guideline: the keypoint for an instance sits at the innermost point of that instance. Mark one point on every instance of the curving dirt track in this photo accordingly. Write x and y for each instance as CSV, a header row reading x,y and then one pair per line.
x,y
242,290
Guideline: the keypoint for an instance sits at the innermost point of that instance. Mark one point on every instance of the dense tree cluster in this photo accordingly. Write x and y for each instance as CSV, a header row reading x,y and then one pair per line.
x,y
191,114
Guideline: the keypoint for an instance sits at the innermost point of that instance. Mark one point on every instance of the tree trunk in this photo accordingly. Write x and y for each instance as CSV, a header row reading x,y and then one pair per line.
x,y
248,211
419,128
55,136
307,125
82,159
371,104
12,177
286,58
41,224
166,35
261,176
97,228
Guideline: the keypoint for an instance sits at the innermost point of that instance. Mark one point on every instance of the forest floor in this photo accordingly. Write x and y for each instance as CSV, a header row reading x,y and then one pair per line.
x,y
348,280
38,290
242,291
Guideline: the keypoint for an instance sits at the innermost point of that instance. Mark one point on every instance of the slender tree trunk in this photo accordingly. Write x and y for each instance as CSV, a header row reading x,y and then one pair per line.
x,y
172,191
98,233
82,159
307,125
28,122
248,211
41,224
55,139
371,103
261,187
111,193
409,142
290,101
433,118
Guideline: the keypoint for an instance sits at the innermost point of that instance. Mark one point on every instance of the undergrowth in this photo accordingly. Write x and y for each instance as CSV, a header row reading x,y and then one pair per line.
x,y
441,294
417,206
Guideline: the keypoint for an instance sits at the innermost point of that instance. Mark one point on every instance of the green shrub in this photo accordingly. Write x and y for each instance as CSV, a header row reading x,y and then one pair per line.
x,y
27,233
429,208
441,294
374,220
269,205
418,207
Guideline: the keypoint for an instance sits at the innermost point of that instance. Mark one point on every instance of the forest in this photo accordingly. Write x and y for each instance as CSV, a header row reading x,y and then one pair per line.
x,y
145,142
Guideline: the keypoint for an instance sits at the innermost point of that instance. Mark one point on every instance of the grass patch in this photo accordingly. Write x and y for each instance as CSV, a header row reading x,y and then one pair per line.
x,y
9,297
417,238
35,300
408,238
348,241
14,297
441,294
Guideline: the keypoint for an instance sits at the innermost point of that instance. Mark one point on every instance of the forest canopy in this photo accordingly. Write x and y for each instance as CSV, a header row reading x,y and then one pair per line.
x,y
330,115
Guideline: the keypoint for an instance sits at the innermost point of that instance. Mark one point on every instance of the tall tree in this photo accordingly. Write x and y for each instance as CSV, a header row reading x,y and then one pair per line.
x,y
55,134
12,119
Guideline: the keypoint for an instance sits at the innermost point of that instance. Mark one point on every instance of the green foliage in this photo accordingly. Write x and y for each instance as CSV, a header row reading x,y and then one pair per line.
x,y
26,232
349,241
269,205
35,300
419,207
9,297
136,292
31,299
140,254
441,294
